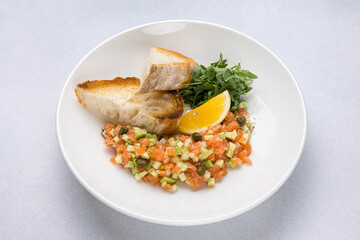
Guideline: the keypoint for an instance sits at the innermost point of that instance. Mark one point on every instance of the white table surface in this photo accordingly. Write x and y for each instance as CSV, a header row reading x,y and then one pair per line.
x,y
42,41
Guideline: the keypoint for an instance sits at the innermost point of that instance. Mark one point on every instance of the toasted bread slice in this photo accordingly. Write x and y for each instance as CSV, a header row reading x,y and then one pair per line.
x,y
119,99
166,70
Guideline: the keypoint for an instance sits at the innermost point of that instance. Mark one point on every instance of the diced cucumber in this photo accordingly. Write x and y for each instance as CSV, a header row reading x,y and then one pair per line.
x,y
178,150
153,136
232,146
243,105
207,137
172,141
231,135
133,155
220,163
182,177
179,143
118,158
188,142
168,151
149,167
116,139
209,132
125,137
130,148
139,133
203,144
175,159
152,172
150,154
163,184
145,155
211,182
230,153
169,180
112,133
174,175
208,164
222,135
245,137
185,155
156,164
183,166
139,176
129,164
174,188
134,170
104,134
231,164
207,174
205,154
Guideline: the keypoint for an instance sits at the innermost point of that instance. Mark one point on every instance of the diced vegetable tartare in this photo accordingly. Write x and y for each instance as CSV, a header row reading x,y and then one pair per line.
x,y
199,159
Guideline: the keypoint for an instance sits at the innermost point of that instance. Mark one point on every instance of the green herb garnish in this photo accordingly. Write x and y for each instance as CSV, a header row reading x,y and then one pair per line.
x,y
208,82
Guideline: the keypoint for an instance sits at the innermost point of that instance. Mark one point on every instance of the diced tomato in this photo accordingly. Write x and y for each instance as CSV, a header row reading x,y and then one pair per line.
x,y
243,156
212,157
221,173
183,138
234,125
151,179
166,159
120,148
248,148
158,154
131,135
117,129
139,149
239,134
170,151
217,128
108,128
168,187
195,148
213,170
235,160
109,140
191,167
161,173
176,169
168,166
242,112
160,146
195,179
220,156
144,141
112,160
126,156
229,118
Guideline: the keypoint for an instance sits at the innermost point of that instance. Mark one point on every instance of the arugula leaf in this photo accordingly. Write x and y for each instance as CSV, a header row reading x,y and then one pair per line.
x,y
207,82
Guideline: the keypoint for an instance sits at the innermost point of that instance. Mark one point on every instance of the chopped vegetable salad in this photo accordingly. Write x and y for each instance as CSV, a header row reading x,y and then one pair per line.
x,y
199,159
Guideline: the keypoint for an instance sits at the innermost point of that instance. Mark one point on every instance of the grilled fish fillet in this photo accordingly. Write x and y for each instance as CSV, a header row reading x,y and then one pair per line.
x,y
166,70
119,99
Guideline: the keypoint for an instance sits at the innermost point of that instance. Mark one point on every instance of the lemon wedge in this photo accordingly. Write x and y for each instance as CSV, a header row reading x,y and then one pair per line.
x,y
210,113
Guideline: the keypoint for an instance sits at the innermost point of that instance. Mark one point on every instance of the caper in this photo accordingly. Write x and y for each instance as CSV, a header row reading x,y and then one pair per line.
x,y
241,120
123,130
142,163
201,170
196,136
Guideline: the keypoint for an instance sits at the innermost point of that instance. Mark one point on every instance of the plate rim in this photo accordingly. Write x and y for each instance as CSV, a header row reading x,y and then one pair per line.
x,y
172,222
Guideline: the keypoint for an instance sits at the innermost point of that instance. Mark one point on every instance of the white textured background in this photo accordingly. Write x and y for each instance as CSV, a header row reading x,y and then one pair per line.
x,y
42,41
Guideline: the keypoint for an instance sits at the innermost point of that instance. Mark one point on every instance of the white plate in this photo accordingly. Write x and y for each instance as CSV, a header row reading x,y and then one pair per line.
x,y
275,102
